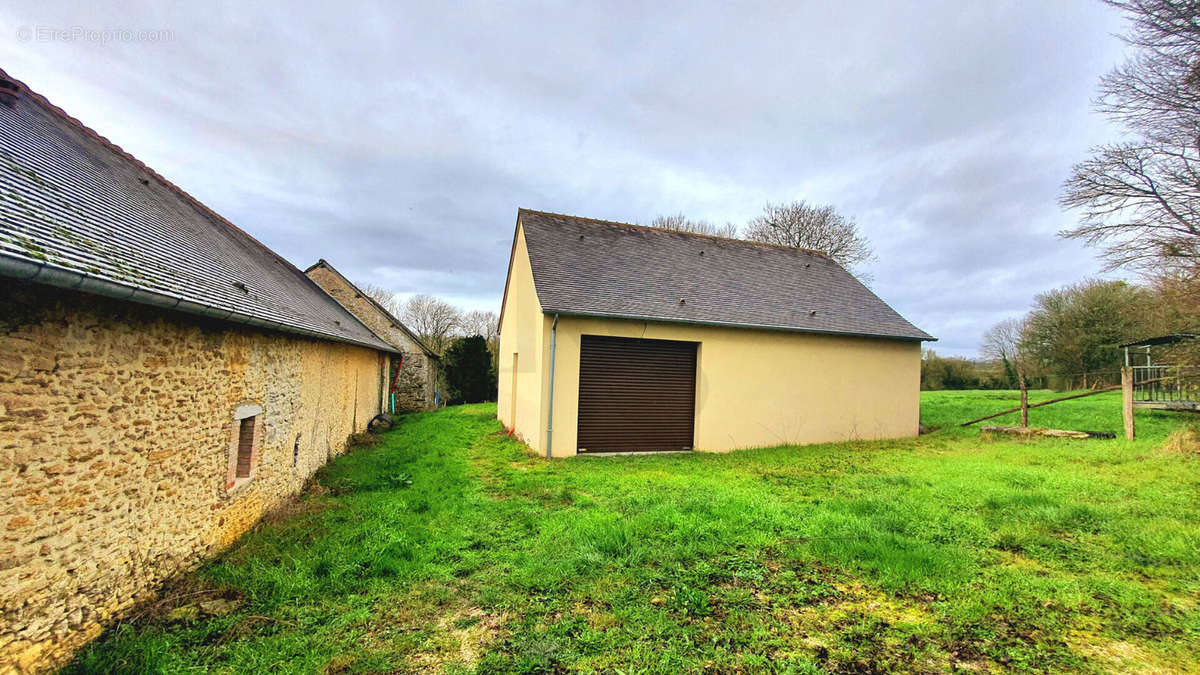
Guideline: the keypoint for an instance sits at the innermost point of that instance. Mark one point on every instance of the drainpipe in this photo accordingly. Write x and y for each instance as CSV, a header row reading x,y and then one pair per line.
x,y
550,413
396,381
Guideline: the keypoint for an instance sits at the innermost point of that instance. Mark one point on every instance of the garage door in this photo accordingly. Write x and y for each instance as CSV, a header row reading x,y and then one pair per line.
x,y
636,394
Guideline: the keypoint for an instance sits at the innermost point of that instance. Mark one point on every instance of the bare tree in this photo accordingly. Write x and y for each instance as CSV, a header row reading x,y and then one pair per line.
x,y
485,324
1003,342
432,319
1139,200
383,296
821,228
1006,342
479,322
680,223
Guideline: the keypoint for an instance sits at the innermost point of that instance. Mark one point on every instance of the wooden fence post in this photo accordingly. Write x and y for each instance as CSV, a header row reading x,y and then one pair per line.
x,y
1127,400
1024,401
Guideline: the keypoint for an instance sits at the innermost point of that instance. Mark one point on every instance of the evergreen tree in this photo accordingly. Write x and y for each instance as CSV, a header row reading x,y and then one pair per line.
x,y
468,370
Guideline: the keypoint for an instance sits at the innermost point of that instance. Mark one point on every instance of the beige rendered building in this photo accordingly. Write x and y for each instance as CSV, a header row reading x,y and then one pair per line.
x,y
619,338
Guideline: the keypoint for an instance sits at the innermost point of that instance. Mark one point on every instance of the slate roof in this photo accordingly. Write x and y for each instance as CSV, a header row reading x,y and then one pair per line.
x,y
600,268
78,212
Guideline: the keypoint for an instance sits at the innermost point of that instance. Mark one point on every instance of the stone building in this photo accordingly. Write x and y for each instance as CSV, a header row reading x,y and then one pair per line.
x,y
165,380
416,386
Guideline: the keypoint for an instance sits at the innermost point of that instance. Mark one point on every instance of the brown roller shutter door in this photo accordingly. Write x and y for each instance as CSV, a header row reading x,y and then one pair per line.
x,y
636,394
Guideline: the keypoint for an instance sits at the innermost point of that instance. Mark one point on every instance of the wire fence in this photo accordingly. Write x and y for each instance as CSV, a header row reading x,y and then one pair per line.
x,y
1184,381
1090,380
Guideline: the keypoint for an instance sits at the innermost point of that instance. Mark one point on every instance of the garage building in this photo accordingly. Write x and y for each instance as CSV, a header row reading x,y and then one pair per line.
x,y
623,338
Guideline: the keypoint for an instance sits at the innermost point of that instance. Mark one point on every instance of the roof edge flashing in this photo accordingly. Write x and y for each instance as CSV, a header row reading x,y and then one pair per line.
x,y
732,324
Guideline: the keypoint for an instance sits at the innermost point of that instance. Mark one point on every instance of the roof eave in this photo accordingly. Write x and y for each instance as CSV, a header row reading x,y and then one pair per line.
x,y
60,277
925,337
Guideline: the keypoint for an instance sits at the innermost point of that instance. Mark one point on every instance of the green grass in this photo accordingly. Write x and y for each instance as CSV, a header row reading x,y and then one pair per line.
x,y
915,555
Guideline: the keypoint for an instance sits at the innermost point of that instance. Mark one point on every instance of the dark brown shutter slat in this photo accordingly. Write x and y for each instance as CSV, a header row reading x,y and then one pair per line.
x,y
245,447
636,394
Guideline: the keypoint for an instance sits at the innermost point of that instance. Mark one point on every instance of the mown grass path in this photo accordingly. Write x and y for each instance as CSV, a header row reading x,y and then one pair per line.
x,y
447,547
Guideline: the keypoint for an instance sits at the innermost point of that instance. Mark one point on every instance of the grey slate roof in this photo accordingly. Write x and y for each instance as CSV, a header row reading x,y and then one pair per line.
x,y
592,267
78,212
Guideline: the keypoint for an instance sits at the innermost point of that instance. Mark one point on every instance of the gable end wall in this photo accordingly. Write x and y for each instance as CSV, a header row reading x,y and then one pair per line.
x,y
521,402
418,378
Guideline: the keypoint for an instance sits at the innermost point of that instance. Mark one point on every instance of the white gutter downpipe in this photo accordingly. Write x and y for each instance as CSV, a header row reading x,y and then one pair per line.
x,y
550,412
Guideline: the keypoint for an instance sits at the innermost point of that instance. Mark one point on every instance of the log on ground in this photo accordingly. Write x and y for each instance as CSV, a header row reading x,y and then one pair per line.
x,y
1037,431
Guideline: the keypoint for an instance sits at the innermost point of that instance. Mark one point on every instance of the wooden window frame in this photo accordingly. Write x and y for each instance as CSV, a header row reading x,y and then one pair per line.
x,y
235,479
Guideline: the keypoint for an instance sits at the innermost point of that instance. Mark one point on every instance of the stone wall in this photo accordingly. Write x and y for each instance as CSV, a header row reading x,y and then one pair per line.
x,y
416,386
117,428
419,378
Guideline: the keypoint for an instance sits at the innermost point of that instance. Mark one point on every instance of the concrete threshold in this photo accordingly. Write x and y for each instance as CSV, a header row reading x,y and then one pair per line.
x,y
635,453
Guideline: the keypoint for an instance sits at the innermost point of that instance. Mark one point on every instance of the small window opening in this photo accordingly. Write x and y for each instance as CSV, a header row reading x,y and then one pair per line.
x,y
243,446
296,452
245,450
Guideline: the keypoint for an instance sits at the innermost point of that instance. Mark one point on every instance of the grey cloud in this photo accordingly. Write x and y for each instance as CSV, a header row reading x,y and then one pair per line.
x,y
398,139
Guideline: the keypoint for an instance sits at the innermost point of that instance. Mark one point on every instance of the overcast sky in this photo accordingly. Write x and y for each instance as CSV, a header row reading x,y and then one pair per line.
x,y
397,141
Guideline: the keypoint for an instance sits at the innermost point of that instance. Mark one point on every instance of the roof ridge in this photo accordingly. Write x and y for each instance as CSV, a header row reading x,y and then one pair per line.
x,y
321,262
717,237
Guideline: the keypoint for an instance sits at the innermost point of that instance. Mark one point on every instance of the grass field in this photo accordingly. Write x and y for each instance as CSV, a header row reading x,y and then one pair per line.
x,y
447,547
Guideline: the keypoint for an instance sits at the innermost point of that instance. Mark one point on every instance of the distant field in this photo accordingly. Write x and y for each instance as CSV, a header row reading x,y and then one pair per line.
x,y
926,554
1101,412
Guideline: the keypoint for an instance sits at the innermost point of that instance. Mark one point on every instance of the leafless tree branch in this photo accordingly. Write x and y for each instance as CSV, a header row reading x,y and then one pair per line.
x,y
680,223
384,297
820,228
1139,201
432,319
